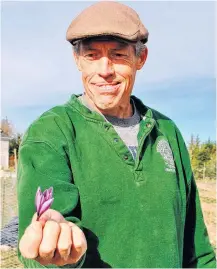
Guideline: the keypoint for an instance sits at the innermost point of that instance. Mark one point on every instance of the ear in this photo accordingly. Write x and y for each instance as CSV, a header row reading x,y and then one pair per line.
x,y
142,58
77,60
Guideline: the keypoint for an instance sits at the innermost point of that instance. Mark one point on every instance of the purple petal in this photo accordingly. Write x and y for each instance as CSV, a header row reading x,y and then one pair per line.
x,y
37,194
41,203
46,194
45,206
50,190
38,197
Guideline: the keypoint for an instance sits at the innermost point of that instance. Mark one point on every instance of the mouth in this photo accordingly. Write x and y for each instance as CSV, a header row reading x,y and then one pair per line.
x,y
107,87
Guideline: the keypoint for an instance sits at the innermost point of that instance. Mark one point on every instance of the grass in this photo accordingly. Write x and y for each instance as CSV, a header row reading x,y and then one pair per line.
x,y
9,258
207,192
208,200
9,206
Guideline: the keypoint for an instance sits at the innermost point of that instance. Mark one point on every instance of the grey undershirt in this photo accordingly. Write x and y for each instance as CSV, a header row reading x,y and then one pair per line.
x,y
126,128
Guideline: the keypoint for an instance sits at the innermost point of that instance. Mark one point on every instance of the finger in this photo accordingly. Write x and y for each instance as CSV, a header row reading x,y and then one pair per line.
x,y
42,261
49,241
78,238
34,218
65,241
58,260
42,220
30,241
52,214
79,244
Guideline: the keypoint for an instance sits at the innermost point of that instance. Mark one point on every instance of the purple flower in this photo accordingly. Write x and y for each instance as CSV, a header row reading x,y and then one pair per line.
x,y
43,200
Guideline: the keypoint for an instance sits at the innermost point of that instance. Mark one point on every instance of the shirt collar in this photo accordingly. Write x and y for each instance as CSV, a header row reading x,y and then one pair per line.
x,y
86,111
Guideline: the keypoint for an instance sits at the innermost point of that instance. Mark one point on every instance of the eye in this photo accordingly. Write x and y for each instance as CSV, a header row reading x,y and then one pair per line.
x,y
90,56
119,55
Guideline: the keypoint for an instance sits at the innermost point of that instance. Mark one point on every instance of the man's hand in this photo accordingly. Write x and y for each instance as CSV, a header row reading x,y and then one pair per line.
x,y
53,240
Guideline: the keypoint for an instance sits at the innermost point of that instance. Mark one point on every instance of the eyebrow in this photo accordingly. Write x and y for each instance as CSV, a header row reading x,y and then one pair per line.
x,y
120,45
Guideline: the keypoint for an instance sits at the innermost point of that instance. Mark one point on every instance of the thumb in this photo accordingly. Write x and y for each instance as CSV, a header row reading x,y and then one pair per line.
x,y
42,219
51,214
35,216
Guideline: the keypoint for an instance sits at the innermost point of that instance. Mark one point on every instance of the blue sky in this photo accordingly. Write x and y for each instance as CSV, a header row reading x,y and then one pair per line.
x,y
38,70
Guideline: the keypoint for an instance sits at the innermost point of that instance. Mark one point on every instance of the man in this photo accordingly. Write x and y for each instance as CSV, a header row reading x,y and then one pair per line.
x,y
124,193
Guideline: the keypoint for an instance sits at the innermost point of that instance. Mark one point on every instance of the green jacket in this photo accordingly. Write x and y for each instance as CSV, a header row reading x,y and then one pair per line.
x,y
134,213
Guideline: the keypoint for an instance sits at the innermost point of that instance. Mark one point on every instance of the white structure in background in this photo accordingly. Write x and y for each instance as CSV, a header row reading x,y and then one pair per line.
x,y
4,161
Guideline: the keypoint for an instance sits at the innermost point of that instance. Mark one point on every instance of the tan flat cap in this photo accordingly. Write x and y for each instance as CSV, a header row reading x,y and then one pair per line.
x,y
107,18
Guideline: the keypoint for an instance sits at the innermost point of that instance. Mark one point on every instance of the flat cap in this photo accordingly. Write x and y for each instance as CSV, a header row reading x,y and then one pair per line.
x,y
107,18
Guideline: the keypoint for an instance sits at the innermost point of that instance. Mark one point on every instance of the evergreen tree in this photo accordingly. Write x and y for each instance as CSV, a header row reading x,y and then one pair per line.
x,y
203,158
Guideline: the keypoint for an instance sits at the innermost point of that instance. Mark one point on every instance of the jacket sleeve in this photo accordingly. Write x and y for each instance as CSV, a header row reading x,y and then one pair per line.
x,y
197,252
41,165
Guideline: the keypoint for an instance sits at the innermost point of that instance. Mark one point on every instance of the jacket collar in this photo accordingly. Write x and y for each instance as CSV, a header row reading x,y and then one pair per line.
x,y
144,111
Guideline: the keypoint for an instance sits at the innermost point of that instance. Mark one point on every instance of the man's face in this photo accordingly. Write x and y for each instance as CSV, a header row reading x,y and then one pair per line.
x,y
108,72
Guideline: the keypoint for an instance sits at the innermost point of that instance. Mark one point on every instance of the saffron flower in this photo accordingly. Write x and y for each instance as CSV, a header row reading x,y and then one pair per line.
x,y
43,200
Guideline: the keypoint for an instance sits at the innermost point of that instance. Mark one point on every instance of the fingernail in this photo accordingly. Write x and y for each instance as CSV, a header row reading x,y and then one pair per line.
x,y
52,254
78,249
65,257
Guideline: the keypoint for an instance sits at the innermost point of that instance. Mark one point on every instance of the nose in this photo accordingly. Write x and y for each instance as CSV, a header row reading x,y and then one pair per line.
x,y
105,67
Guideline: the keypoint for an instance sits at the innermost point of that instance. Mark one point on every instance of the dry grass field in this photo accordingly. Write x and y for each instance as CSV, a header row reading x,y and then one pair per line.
x,y
207,191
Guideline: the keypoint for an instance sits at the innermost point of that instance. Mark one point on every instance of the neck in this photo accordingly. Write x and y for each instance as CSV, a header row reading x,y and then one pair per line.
x,y
122,111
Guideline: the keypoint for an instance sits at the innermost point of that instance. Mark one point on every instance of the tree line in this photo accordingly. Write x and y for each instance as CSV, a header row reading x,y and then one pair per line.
x,y
202,154
203,158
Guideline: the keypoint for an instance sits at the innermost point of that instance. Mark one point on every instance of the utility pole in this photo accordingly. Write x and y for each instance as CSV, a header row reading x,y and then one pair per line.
x,y
15,160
